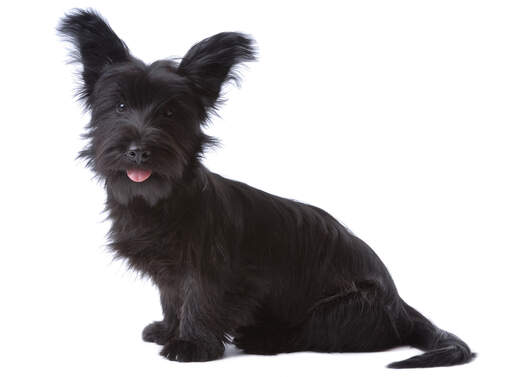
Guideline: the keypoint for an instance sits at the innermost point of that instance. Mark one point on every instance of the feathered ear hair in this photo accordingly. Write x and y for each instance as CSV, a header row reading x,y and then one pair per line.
x,y
95,45
213,61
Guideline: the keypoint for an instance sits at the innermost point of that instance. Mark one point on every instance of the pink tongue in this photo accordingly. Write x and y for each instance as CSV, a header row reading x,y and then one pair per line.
x,y
137,175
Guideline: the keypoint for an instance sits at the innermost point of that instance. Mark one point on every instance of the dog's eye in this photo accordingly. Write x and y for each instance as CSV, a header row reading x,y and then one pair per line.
x,y
168,113
121,107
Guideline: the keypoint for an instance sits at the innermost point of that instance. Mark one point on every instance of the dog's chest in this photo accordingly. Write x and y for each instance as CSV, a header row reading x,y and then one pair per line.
x,y
153,248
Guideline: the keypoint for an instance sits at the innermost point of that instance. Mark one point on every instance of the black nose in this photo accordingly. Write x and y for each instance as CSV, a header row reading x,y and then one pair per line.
x,y
138,155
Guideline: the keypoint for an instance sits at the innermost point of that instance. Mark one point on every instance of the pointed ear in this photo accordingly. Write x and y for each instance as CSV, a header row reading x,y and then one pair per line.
x,y
213,61
95,45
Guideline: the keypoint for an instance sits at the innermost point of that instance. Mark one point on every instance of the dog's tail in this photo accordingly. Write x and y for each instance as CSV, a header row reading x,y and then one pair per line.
x,y
442,348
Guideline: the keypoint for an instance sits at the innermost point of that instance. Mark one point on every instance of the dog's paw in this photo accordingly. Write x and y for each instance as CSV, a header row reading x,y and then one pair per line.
x,y
259,340
186,351
156,332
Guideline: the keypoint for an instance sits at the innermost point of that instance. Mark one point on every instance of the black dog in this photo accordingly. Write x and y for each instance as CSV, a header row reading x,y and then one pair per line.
x,y
233,263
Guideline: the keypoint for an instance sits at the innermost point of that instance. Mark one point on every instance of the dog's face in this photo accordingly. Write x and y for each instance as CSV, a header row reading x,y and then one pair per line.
x,y
145,130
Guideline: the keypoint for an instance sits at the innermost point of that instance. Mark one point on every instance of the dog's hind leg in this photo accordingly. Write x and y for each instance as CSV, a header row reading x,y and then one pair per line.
x,y
268,339
361,320
365,319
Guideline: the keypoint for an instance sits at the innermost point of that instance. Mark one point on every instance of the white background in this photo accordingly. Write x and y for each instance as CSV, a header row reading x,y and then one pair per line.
x,y
394,116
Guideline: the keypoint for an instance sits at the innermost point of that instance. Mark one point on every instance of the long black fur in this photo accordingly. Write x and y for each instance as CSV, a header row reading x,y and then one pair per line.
x,y
232,263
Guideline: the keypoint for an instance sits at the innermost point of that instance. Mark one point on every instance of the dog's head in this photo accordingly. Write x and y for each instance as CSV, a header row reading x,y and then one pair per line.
x,y
145,130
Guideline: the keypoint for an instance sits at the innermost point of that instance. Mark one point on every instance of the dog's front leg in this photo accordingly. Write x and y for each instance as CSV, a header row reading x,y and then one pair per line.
x,y
202,325
161,332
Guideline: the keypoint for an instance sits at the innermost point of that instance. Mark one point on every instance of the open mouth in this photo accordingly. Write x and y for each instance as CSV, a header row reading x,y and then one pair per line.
x,y
138,175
